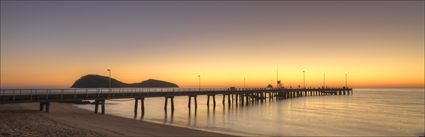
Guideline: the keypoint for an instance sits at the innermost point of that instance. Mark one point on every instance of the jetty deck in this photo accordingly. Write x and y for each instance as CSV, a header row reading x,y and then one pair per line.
x,y
99,95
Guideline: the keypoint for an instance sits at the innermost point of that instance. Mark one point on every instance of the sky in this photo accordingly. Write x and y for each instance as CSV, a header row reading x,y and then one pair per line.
x,y
51,44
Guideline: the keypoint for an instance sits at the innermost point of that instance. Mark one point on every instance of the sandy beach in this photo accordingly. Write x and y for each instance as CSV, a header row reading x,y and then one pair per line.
x,y
66,120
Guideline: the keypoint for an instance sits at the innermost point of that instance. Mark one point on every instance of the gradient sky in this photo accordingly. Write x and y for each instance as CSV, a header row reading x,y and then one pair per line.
x,y
51,44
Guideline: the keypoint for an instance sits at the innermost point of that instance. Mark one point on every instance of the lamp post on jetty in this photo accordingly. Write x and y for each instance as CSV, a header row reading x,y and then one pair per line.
x,y
345,79
324,79
304,77
199,82
109,70
277,78
244,81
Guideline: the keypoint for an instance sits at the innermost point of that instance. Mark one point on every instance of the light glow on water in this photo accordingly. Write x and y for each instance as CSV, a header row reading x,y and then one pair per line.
x,y
368,112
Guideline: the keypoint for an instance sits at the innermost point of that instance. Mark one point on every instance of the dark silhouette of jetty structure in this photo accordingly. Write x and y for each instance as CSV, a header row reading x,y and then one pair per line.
x,y
99,95
140,91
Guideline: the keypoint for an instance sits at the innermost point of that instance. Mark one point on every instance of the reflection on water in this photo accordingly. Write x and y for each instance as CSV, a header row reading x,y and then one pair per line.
x,y
168,118
369,112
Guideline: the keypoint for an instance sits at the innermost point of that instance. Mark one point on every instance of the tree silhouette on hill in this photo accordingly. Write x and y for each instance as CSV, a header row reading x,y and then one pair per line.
x,y
98,81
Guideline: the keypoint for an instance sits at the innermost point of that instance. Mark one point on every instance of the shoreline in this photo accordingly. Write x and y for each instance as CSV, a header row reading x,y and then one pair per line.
x,y
65,119
226,133
203,130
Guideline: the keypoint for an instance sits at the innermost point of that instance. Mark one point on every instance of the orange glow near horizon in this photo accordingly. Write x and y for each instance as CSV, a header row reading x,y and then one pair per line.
x,y
220,77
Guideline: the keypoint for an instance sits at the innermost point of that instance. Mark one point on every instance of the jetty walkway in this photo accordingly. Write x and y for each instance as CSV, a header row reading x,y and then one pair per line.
x,y
99,95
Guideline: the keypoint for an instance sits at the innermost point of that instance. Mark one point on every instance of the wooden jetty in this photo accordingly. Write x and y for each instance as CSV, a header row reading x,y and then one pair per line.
x,y
99,95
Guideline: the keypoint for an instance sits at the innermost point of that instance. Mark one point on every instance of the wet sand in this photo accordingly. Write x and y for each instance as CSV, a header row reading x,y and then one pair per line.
x,y
66,120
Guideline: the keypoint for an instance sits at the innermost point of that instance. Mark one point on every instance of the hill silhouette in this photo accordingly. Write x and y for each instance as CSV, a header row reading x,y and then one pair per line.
x,y
98,81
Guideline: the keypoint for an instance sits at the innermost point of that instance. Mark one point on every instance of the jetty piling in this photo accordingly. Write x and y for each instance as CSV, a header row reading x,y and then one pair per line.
x,y
171,103
143,105
135,105
45,106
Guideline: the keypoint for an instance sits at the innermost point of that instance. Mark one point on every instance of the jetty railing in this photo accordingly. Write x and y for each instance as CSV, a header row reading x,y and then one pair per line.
x,y
99,95
138,90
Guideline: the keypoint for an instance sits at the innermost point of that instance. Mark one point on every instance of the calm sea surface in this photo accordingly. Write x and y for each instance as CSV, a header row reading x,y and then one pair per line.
x,y
368,112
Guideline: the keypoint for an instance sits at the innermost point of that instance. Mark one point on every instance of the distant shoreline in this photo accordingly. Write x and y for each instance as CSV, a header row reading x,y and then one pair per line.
x,y
64,119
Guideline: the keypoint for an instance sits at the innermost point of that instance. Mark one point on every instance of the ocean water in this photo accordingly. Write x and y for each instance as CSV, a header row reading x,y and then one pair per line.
x,y
368,112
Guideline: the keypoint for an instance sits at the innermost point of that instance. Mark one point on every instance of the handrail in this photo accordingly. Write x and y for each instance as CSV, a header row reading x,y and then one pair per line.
x,y
88,91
